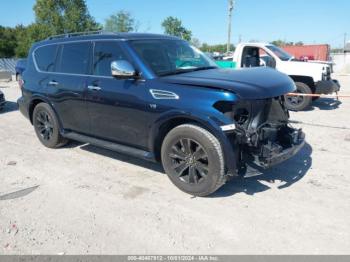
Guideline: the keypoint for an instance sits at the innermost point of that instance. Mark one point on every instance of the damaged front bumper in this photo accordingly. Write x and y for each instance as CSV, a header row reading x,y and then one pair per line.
x,y
327,86
273,154
263,135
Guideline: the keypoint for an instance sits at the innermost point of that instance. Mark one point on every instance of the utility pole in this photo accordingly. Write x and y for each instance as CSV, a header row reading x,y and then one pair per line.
x,y
345,36
230,9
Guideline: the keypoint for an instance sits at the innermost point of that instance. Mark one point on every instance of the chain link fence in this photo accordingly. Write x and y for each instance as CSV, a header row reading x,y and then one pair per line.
x,y
8,64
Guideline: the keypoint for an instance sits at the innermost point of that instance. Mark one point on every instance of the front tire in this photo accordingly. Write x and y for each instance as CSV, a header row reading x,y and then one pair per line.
x,y
193,160
299,103
46,126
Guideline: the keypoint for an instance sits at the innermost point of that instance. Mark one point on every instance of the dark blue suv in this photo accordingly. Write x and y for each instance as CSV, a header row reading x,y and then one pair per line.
x,y
20,67
158,98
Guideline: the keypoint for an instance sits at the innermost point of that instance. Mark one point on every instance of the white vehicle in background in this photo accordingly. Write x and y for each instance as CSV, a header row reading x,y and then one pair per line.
x,y
309,77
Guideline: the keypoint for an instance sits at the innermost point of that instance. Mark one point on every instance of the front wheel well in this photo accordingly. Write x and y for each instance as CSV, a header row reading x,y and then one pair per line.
x,y
309,81
164,130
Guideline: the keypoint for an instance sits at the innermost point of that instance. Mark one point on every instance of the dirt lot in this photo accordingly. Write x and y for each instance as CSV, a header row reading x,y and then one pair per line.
x,y
81,199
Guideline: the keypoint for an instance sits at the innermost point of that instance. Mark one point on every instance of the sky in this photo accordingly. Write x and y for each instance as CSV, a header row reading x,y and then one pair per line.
x,y
309,21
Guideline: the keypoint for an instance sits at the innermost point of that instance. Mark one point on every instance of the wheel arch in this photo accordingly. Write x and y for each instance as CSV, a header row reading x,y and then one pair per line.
x,y
162,128
308,80
37,100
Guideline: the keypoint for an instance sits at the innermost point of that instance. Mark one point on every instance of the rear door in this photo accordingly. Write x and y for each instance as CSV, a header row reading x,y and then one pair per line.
x,y
67,86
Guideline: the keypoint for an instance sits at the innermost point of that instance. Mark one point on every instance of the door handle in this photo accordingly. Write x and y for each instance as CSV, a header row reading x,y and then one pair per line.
x,y
94,88
53,83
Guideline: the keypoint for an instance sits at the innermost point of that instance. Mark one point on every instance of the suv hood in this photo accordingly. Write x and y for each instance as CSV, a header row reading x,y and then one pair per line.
x,y
250,83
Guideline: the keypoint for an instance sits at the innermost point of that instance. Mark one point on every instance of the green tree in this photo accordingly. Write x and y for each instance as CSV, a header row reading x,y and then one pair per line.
x,y
64,16
278,43
195,42
173,26
221,48
284,43
121,21
7,41
29,35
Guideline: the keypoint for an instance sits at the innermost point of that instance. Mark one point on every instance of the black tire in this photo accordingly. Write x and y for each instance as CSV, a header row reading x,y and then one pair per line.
x,y
193,160
298,103
46,126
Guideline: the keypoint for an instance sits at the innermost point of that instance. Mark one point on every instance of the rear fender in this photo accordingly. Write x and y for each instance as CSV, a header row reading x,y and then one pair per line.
x,y
44,99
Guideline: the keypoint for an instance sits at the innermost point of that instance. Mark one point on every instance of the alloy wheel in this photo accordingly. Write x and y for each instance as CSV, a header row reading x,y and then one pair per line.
x,y
295,100
189,161
44,125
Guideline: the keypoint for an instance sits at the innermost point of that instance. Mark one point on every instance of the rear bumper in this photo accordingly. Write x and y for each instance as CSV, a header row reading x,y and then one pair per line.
x,y
327,87
23,107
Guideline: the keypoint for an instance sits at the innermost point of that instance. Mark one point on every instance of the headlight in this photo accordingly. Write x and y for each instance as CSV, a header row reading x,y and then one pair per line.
x,y
326,74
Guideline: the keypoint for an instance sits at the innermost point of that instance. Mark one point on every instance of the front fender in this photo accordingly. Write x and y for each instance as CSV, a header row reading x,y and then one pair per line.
x,y
212,124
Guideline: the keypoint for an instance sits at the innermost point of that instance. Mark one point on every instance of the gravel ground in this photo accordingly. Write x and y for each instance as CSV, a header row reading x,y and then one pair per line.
x,y
84,200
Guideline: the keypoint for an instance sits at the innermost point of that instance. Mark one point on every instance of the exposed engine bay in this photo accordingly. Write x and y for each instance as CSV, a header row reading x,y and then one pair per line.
x,y
263,133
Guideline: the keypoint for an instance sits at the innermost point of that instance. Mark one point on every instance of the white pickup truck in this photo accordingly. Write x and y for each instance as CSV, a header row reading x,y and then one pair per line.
x,y
309,77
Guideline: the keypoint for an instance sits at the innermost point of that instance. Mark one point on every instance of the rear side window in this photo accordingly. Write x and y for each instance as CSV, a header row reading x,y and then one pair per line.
x,y
45,57
74,58
104,54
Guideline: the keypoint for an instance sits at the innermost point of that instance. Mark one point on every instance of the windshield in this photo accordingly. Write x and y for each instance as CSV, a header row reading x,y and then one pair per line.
x,y
283,55
167,57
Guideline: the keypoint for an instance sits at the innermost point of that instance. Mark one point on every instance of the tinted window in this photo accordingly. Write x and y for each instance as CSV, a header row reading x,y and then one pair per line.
x,y
75,58
283,55
166,57
104,54
45,57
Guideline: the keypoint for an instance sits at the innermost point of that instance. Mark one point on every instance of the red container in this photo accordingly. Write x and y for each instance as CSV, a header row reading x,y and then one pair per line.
x,y
311,52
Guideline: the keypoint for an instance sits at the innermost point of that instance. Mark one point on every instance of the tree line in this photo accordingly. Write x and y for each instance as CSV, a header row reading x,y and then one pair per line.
x,y
53,17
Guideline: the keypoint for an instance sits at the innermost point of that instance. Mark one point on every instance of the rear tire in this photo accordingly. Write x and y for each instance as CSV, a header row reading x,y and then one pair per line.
x,y
298,103
193,160
46,126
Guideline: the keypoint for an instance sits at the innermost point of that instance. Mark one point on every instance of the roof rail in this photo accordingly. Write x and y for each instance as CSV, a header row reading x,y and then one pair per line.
x,y
79,34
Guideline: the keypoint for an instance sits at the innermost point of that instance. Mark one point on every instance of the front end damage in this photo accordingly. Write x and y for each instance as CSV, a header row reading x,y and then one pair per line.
x,y
262,133
327,85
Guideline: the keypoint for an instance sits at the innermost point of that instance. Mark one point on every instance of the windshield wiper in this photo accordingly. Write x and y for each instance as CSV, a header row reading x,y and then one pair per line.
x,y
181,71
204,68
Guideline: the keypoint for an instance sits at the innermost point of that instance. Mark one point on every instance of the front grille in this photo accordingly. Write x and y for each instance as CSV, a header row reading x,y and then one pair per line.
x,y
251,115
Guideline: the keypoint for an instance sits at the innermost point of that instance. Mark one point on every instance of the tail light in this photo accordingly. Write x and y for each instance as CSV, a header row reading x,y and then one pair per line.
x,y
21,83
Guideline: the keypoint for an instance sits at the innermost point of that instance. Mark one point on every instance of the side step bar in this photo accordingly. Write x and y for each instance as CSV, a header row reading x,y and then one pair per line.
x,y
111,146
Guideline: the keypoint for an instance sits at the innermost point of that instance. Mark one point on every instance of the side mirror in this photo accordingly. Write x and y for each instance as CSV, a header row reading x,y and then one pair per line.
x,y
271,63
123,69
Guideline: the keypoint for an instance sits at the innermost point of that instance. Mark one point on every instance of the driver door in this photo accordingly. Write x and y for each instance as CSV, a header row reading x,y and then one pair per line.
x,y
117,111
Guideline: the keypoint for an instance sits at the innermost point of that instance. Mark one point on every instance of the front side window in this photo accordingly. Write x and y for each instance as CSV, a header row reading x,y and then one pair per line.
x,y
167,57
45,57
74,58
104,54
